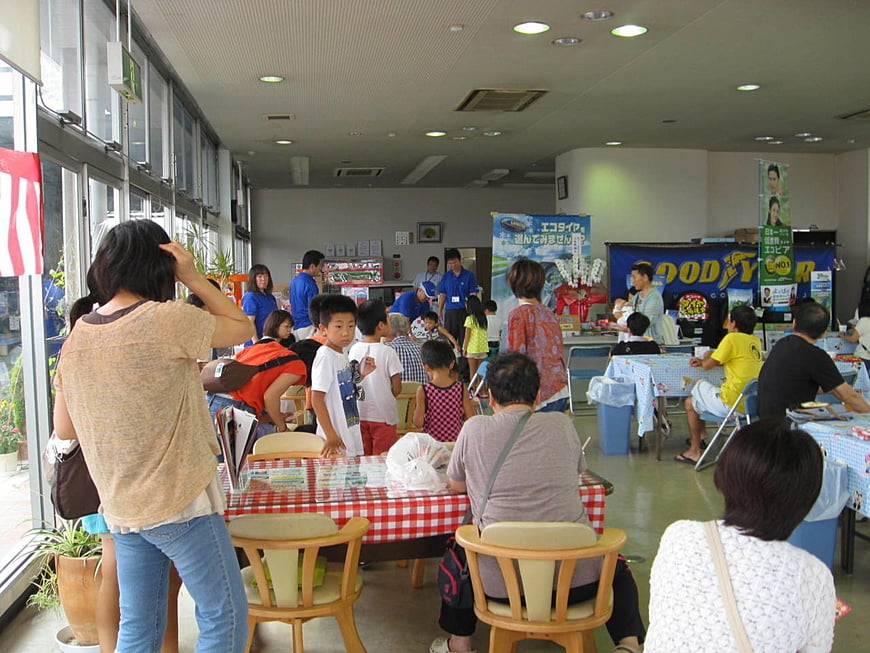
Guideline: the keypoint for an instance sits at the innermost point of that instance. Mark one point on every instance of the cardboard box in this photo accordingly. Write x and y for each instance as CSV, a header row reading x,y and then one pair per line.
x,y
746,235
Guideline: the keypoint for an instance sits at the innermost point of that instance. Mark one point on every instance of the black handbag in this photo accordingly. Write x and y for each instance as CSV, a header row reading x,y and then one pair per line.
x,y
74,494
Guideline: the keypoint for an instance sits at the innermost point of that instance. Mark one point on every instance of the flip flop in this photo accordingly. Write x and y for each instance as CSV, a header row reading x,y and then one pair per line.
x,y
680,458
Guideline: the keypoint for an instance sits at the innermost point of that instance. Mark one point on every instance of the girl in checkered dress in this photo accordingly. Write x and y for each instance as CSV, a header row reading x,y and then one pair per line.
x,y
442,403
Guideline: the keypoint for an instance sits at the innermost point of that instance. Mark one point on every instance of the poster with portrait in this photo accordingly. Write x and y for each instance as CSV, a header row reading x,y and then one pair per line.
x,y
543,238
776,270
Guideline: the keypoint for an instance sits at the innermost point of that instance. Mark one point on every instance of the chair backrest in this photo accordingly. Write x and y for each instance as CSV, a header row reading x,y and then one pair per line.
x,y
290,444
296,394
277,539
750,398
680,349
588,351
542,551
479,378
406,403
850,376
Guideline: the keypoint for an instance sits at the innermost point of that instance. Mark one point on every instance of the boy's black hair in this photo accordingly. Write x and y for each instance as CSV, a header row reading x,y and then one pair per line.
x,y
437,354
637,323
744,318
369,314
431,315
333,304
314,308
490,305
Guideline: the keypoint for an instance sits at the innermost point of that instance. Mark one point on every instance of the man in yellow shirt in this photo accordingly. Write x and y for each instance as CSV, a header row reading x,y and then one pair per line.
x,y
740,354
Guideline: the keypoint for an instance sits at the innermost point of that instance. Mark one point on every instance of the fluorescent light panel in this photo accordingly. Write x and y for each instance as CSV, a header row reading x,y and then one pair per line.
x,y
423,168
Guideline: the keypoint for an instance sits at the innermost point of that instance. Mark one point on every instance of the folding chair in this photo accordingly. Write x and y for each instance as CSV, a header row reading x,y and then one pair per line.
x,y
475,386
849,376
735,419
586,371
679,349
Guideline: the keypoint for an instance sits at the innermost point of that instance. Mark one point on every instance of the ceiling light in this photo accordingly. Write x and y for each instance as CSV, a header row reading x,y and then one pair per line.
x,y
531,27
391,134
813,139
469,128
599,14
668,121
748,87
456,27
437,133
458,138
495,173
566,40
764,138
423,168
613,143
354,133
272,79
493,132
774,142
629,31
299,170
804,134
283,141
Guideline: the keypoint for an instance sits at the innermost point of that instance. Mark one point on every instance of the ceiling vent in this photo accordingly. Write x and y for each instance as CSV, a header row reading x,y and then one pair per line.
x,y
500,99
279,117
858,115
358,172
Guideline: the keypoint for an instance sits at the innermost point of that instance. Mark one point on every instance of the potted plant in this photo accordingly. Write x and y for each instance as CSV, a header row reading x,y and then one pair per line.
x,y
70,579
9,436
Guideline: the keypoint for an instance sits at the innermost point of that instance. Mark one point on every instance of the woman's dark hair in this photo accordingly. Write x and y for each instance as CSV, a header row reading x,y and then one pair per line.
x,y
274,320
194,300
526,279
252,279
645,269
129,259
474,307
773,168
513,379
437,354
770,476
773,200
369,314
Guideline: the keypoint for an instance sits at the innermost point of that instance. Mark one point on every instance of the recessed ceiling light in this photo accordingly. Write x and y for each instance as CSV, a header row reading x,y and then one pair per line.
x,y
566,40
354,133
456,27
458,138
764,138
748,87
436,133
599,14
492,132
629,31
272,79
804,134
850,141
813,139
774,142
251,153
531,27
613,143
469,128
391,134
668,121
283,141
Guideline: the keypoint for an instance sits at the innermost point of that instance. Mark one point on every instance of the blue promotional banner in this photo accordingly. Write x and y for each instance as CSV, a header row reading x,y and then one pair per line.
x,y
543,238
712,269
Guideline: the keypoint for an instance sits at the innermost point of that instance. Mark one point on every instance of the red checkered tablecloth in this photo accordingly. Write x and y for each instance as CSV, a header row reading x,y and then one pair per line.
x,y
394,516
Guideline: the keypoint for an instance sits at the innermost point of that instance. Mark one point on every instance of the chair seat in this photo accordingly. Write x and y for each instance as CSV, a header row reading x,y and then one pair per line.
x,y
575,610
579,375
329,592
710,417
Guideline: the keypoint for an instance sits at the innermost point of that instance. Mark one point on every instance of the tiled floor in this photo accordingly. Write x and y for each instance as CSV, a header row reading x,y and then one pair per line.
x,y
392,616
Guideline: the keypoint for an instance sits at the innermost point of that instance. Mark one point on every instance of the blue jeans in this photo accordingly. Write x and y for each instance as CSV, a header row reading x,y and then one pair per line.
x,y
204,556
558,406
216,402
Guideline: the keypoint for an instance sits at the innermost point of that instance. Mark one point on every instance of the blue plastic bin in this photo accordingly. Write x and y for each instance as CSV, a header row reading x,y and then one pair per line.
x,y
817,537
614,429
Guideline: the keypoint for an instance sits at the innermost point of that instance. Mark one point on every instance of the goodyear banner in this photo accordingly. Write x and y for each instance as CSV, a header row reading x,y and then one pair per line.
x,y
543,238
775,250
712,269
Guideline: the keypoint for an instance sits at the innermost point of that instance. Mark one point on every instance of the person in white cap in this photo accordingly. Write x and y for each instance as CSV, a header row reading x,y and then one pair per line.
x,y
415,303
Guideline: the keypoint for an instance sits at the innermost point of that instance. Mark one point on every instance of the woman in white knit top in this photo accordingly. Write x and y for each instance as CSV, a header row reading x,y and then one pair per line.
x,y
128,389
770,476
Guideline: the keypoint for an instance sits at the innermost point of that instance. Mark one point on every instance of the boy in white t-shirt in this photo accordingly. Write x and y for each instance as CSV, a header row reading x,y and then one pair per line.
x,y
334,381
493,327
377,409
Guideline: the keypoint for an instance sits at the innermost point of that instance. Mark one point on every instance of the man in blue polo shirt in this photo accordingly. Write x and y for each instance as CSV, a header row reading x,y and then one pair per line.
x,y
302,289
455,287
415,303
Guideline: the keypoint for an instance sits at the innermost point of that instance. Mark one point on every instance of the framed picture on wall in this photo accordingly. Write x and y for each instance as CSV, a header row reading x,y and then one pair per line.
x,y
562,187
430,232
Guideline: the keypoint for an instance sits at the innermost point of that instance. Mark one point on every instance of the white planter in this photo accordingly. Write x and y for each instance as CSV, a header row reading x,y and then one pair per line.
x,y
9,462
64,640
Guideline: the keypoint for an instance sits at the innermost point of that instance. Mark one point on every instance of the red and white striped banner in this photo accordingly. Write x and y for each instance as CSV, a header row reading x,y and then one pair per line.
x,y
21,215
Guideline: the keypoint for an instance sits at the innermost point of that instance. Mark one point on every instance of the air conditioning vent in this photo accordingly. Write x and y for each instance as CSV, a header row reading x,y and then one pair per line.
x,y
500,99
279,117
858,115
358,172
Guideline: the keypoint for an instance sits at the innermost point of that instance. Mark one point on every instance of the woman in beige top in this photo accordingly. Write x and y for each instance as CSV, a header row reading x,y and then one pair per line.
x,y
128,389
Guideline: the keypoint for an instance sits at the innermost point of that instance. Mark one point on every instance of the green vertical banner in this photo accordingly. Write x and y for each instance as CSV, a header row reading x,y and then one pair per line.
x,y
776,269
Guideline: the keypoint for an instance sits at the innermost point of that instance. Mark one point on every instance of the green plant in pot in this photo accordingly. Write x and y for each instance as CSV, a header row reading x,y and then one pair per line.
x,y
70,577
9,436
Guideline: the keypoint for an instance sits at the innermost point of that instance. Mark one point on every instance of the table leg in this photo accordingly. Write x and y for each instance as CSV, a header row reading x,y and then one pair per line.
x,y
659,431
847,541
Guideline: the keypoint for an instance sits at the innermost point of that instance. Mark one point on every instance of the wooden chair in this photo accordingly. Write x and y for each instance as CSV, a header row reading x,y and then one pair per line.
x,y
278,542
290,444
541,551
296,394
406,403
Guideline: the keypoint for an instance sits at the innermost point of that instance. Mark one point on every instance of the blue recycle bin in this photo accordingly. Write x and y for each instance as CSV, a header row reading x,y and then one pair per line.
x,y
615,400
817,533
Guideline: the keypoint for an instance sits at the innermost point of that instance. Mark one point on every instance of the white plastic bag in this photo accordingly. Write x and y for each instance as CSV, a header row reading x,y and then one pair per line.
x,y
610,391
53,451
417,462
834,492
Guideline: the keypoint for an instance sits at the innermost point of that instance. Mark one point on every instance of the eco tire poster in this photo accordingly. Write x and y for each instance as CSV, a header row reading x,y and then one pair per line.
x,y
776,270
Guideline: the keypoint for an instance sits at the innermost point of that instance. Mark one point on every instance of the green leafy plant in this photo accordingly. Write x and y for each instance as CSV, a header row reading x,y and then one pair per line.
x,y
9,433
67,539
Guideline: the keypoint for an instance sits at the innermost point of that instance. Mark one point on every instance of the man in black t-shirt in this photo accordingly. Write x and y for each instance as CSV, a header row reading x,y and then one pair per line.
x,y
796,369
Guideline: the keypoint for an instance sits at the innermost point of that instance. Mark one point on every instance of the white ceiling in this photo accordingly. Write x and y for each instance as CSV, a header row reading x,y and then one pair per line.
x,y
382,67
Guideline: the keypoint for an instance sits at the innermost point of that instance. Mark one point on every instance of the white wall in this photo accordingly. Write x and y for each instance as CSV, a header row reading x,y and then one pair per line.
x,y
853,208
287,222
637,195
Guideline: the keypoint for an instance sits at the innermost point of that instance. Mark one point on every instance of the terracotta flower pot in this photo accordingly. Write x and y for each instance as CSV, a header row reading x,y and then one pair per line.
x,y
77,584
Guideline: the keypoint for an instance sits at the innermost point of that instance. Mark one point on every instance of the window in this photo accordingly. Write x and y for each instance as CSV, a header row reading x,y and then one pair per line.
x,y
100,100
61,56
7,108
137,116
158,123
102,211
183,128
160,214
209,159
137,206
